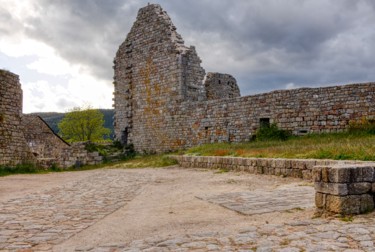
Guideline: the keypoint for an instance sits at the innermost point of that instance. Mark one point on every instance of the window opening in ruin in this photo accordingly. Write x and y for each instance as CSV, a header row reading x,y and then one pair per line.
x,y
207,133
264,122
124,137
303,132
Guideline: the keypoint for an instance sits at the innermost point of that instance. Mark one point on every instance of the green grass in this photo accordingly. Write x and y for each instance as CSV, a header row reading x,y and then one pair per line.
x,y
140,161
20,169
338,146
144,161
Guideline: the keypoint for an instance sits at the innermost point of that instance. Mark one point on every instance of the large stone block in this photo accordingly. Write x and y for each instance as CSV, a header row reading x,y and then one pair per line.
x,y
331,188
350,204
339,174
359,188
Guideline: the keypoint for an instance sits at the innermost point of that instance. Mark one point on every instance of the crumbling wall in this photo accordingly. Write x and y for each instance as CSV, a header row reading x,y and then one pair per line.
x,y
49,149
13,147
161,103
221,86
154,71
41,139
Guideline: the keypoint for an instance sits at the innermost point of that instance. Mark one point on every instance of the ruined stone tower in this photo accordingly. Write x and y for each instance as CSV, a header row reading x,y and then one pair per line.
x,y
154,71
13,146
162,104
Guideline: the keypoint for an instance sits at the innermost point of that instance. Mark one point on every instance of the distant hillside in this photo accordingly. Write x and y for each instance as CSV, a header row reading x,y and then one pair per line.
x,y
53,119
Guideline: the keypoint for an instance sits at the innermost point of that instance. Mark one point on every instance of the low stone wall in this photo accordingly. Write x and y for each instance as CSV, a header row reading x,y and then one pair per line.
x,y
296,168
345,189
74,155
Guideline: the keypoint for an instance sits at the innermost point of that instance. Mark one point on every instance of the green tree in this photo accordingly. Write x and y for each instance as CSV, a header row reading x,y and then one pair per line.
x,y
83,124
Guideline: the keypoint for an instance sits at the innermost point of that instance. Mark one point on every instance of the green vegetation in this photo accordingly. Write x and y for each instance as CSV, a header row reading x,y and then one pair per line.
x,y
83,124
272,133
139,161
144,161
53,119
112,151
358,143
20,169
339,146
346,218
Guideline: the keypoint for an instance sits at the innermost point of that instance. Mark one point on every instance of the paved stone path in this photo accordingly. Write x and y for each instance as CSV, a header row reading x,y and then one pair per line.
x,y
260,201
43,220
39,221
311,235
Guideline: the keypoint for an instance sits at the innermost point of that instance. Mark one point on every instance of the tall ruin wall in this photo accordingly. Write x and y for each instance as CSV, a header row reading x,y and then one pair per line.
x,y
154,71
13,147
162,102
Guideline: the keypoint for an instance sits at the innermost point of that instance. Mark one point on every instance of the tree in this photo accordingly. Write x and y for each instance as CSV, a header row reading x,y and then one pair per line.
x,y
83,124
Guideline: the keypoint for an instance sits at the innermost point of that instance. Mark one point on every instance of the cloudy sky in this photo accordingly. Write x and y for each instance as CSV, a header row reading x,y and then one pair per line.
x,y
63,49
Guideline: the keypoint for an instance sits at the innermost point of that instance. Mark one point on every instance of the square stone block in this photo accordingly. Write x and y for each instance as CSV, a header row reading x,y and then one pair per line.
x,y
331,188
368,174
343,204
317,174
339,174
350,204
359,188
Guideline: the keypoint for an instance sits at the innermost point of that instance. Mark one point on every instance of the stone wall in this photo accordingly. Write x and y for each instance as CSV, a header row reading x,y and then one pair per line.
x,y
49,149
221,86
41,139
154,73
13,147
296,168
161,103
345,189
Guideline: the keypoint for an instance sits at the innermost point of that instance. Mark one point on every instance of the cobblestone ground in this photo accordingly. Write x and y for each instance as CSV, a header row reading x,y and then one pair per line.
x,y
310,235
260,201
40,221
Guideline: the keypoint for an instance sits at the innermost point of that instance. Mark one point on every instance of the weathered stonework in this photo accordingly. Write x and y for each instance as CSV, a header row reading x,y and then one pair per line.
x,y
345,189
50,149
13,147
28,139
221,86
162,104
41,139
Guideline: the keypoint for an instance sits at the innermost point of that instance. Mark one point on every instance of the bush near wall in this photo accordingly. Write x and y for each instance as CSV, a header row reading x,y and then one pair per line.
x,y
364,125
272,132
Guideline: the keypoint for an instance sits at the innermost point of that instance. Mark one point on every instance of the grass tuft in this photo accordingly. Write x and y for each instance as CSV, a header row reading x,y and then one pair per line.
x,y
338,146
144,161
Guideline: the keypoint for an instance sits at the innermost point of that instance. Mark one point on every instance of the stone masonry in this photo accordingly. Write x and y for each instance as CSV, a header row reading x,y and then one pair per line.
x,y
13,147
50,149
162,102
220,86
345,189
28,139
41,139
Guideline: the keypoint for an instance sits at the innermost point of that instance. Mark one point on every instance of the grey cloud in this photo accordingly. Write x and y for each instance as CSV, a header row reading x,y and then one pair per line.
x,y
8,24
306,42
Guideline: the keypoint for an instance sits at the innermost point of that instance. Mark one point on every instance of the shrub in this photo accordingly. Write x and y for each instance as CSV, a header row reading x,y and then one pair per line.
x,y
272,132
362,126
20,168
129,151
